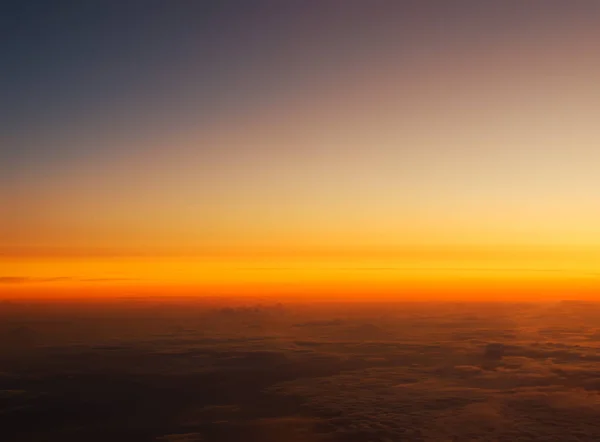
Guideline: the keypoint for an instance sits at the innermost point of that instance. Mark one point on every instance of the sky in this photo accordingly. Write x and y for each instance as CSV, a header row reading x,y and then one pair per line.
x,y
348,149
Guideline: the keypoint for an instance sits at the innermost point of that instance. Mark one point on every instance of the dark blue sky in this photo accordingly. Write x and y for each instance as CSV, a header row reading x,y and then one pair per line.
x,y
67,63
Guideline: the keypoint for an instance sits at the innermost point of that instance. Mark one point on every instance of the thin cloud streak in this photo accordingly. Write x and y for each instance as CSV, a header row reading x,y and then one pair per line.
x,y
33,280
435,269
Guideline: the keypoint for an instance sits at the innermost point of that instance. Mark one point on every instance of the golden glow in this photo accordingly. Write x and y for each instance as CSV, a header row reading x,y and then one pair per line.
x,y
417,273
454,171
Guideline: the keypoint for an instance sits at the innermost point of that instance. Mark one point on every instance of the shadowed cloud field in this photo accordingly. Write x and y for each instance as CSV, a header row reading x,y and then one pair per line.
x,y
189,371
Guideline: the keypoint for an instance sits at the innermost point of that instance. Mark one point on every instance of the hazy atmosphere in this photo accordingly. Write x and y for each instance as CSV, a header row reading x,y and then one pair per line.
x,y
303,220
254,146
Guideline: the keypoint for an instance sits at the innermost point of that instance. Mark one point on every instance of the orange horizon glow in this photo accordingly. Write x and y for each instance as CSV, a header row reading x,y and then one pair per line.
x,y
417,273
364,155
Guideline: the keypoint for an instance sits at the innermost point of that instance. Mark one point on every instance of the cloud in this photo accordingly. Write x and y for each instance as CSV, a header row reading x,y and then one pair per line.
x,y
107,279
321,323
31,280
34,280
414,379
182,437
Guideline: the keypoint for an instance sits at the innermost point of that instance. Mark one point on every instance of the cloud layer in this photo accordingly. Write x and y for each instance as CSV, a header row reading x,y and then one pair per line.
x,y
189,372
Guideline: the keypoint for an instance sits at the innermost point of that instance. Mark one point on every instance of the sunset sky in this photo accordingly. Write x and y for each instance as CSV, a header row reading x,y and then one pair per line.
x,y
315,149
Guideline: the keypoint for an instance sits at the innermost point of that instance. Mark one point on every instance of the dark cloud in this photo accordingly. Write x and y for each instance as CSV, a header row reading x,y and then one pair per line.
x,y
182,437
494,351
322,323
185,372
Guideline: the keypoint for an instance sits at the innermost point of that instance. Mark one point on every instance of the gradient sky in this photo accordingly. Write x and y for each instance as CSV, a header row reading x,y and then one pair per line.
x,y
412,148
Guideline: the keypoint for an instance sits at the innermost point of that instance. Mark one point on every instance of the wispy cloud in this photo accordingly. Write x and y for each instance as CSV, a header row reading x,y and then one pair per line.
x,y
107,279
437,269
34,280
28,279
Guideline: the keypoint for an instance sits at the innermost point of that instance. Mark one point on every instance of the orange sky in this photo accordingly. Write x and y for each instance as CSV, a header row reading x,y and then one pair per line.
x,y
409,273
454,163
